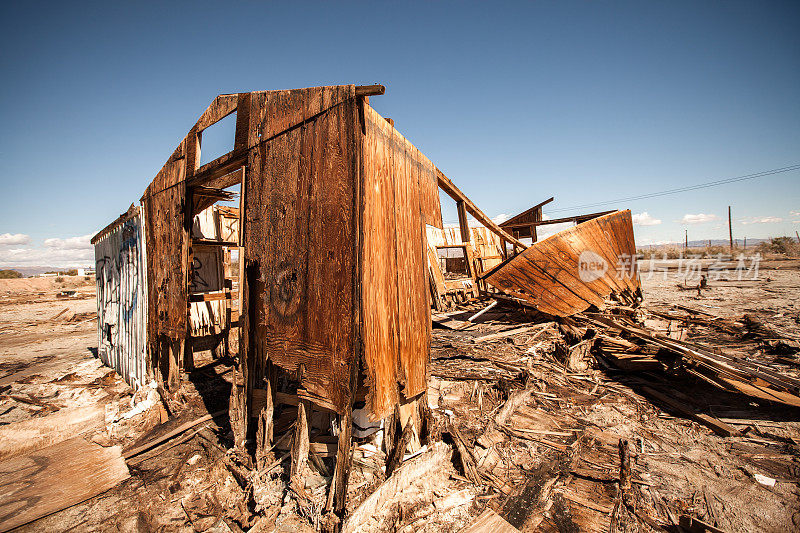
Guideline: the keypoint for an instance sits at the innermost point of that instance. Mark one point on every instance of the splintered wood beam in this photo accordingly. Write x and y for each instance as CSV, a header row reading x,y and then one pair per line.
x,y
455,193
220,173
463,223
577,219
370,90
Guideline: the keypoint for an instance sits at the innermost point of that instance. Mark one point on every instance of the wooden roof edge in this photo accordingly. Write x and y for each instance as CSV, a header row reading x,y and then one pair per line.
x,y
227,103
455,193
132,211
527,211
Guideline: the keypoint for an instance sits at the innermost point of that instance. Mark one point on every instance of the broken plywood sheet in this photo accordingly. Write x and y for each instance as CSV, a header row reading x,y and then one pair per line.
x,y
567,272
55,478
426,469
27,435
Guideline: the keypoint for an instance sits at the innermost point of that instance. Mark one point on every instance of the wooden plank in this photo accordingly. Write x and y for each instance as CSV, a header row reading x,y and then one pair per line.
x,y
717,426
222,106
380,293
411,278
455,193
367,516
529,215
213,296
56,477
24,436
577,219
132,452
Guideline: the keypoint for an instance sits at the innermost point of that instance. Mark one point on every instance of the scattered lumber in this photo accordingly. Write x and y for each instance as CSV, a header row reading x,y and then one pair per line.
x,y
509,333
56,477
171,434
717,426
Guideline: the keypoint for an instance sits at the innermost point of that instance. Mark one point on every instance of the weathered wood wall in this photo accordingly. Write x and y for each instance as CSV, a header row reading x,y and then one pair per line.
x,y
400,197
333,197
167,245
301,240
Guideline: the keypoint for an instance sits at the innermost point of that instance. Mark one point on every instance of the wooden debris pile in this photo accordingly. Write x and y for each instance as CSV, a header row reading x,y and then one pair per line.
x,y
559,422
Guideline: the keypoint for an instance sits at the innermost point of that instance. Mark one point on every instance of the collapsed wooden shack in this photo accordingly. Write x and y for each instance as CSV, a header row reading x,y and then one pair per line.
x,y
331,271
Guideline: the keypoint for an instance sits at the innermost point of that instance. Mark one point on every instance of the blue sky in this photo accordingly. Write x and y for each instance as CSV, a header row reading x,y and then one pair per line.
x,y
516,102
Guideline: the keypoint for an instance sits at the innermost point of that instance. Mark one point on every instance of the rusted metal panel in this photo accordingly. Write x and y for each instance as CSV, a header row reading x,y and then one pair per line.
x,y
567,272
121,275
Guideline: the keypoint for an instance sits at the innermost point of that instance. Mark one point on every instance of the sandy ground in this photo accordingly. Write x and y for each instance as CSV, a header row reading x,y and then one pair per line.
x,y
47,352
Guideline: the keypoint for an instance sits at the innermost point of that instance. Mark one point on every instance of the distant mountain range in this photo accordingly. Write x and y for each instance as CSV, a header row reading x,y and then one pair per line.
x,y
705,243
29,271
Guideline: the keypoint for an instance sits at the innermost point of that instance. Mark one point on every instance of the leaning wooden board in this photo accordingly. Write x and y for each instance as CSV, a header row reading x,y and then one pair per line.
x,y
567,272
56,477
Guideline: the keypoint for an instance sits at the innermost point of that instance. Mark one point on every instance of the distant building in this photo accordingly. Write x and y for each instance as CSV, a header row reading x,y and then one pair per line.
x,y
86,272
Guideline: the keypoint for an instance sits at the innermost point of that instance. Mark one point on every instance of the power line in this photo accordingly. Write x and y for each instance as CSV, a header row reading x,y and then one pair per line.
x,y
683,189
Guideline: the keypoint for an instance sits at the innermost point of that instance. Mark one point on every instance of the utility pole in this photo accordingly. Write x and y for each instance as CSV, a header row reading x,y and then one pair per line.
x,y
745,243
798,236
686,240
730,229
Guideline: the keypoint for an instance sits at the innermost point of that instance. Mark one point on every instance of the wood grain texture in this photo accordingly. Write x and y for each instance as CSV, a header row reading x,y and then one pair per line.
x,y
548,274
396,310
299,239
489,522
56,477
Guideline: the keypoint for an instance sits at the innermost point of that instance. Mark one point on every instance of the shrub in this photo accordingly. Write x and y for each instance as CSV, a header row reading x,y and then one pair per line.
x,y
59,279
780,245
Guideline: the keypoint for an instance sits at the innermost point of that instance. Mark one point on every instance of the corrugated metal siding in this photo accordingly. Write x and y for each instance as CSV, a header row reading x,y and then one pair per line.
x,y
121,262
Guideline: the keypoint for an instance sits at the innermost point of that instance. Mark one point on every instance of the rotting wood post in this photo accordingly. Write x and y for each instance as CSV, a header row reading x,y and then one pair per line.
x,y
174,356
337,493
236,411
265,429
625,472
400,448
463,222
300,444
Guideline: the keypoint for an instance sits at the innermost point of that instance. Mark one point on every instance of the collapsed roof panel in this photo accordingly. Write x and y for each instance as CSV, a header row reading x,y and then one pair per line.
x,y
574,269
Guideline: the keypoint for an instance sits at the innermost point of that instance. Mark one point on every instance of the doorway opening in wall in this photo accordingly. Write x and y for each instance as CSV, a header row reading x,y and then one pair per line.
x,y
213,335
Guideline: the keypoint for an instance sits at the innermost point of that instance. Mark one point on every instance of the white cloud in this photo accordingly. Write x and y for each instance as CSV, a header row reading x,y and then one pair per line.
x,y
698,219
650,242
502,217
56,252
644,219
542,232
46,257
72,243
762,220
16,238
